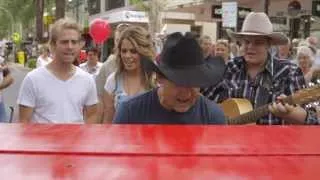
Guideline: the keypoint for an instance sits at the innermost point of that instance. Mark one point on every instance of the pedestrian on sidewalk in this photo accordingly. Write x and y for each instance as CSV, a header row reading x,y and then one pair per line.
x,y
5,81
44,57
92,65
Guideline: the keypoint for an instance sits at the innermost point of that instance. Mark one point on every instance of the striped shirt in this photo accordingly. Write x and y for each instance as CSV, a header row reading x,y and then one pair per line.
x,y
279,77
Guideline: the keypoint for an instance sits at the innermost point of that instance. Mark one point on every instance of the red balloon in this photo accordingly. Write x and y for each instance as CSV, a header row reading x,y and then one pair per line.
x,y
99,30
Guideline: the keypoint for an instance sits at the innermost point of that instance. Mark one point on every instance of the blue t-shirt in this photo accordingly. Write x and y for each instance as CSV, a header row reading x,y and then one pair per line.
x,y
146,109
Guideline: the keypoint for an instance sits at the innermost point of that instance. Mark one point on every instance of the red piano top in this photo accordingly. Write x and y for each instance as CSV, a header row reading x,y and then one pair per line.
x,y
158,152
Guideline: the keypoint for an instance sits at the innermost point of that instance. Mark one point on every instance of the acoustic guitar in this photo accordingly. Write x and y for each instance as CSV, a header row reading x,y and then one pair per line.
x,y
240,111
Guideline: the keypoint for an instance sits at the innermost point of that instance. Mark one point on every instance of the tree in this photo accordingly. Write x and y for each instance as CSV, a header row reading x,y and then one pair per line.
x,y
60,9
39,19
153,8
40,6
22,14
28,13
156,7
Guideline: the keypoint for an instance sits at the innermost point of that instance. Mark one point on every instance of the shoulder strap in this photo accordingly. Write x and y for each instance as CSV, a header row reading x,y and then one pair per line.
x,y
116,79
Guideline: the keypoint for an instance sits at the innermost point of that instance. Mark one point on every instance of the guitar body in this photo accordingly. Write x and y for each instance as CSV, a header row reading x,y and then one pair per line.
x,y
234,107
240,111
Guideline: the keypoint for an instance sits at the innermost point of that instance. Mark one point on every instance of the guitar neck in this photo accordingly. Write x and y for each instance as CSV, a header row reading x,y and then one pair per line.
x,y
253,116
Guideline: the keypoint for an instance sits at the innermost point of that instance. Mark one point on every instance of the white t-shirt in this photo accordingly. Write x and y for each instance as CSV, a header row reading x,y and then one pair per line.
x,y
107,68
94,71
57,101
41,62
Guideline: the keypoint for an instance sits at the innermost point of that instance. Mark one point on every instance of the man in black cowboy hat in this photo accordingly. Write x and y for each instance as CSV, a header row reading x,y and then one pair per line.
x,y
261,79
181,72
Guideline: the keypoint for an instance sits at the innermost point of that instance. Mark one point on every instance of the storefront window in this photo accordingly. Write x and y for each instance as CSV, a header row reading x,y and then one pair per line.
x,y
112,4
94,7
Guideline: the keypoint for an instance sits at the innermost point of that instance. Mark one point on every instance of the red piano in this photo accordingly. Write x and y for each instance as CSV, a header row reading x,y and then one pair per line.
x,y
123,152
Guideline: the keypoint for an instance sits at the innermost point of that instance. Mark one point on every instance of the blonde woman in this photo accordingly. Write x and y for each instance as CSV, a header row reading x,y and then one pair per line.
x,y
305,59
44,58
108,67
222,49
130,78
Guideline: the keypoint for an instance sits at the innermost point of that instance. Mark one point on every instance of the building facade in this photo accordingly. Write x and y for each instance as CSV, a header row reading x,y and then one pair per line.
x,y
204,17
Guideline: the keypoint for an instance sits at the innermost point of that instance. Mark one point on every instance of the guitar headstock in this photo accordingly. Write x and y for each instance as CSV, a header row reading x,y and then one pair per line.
x,y
307,95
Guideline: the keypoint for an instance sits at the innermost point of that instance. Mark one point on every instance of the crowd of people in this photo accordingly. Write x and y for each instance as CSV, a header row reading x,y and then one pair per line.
x,y
266,69
183,84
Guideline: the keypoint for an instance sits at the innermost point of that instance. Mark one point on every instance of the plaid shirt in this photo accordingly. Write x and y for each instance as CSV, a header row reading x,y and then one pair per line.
x,y
279,77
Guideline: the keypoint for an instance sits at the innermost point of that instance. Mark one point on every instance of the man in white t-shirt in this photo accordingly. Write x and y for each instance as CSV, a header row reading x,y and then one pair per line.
x,y
92,65
59,92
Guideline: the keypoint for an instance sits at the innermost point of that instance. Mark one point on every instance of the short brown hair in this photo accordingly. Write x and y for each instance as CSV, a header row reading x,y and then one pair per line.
x,y
62,24
94,50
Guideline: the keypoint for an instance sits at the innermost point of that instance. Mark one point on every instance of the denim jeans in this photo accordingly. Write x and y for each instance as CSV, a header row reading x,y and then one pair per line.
x,y
3,113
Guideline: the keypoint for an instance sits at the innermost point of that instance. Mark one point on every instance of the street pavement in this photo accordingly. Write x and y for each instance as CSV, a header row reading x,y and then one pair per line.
x,y
11,93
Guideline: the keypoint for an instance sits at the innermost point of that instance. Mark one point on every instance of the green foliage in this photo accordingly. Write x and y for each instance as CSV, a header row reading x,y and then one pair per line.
x,y
140,5
133,2
32,63
23,11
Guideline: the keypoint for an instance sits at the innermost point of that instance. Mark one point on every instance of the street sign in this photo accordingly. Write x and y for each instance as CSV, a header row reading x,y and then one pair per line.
x,y
216,11
16,37
229,14
48,19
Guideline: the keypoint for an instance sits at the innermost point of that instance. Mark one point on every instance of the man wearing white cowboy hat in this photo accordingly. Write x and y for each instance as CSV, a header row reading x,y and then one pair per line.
x,y
258,77
180,73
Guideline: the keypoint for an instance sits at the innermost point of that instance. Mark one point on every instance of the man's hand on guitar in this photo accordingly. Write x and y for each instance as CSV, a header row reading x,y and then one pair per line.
x,y
291,114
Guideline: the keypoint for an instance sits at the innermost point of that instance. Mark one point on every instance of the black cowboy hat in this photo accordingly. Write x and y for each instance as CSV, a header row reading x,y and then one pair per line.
x,y
182,62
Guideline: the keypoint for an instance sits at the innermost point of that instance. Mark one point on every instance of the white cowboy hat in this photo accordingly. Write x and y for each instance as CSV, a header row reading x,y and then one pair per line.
x,y
259,24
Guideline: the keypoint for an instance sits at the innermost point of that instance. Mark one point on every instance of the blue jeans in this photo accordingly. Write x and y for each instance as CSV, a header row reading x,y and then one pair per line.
x,y
3,114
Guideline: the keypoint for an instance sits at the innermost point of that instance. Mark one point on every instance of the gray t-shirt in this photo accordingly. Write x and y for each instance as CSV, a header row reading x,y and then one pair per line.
x,y
107,68
146,109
